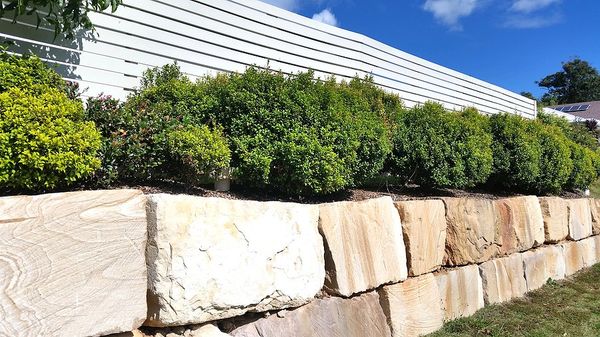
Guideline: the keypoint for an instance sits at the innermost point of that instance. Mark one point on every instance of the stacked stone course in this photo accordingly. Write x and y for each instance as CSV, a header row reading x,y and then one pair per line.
x,y
100,262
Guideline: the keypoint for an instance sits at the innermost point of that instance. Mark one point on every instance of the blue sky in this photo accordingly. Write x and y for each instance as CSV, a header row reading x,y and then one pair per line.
x,y
511,43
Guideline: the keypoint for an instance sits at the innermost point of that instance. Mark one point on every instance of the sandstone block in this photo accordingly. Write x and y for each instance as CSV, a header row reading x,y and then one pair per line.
x,y
72,264
414,307
207,330
364,247
503,279
597,245
520,224
543,264
360,316
595,209
461,292
424,228
579,255
471,232
211,258
556,218
580,219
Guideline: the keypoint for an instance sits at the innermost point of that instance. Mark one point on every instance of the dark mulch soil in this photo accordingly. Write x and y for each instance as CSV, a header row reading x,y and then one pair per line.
x,y
396,192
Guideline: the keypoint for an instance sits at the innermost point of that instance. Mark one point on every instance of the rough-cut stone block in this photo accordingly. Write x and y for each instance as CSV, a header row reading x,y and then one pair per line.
x,y
595,210
424,228
414,307
543,264
207,330
597,245
72,264
360,316
580,219
211,258
556,218
471,232
520,224
579,255
503,279
364,247
461,292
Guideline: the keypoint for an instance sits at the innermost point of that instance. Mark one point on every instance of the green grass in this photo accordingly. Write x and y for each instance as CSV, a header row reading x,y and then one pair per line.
x,y
567,308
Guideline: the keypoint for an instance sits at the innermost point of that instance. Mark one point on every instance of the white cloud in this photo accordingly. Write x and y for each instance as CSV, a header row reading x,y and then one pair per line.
x,y
530,22
450,12
528,6
326,16
290,5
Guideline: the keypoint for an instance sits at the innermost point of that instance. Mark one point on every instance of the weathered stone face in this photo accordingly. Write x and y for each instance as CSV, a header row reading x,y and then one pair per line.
x,y
364,247
503,279
556,218
72,264
595,210
424,228
461,292
471,232
331,317
597,246
211,258
520,224
580,219
543,264
579,255
413,308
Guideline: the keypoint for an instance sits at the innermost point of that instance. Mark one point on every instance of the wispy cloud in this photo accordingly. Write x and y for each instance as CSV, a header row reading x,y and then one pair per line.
x,y
326,16
528,6
530,22
449,12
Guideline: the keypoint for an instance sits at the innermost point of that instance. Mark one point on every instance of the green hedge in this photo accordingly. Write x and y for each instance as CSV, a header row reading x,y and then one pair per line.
x,y
436,148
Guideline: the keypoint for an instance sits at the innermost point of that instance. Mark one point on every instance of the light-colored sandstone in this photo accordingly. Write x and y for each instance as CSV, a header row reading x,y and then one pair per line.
x,y
543,264
207,330
520,224
359,316
580,219
579,255
597,246
72,264
595,210
461,292
424,228
471,232
503,279
211,258
364,247
414,307
556,218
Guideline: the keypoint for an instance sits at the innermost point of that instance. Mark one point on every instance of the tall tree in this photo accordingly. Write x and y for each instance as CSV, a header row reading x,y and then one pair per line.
x,y
577,82
66,16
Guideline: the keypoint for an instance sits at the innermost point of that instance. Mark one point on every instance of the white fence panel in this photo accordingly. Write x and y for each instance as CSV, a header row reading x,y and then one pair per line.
x,y
209,36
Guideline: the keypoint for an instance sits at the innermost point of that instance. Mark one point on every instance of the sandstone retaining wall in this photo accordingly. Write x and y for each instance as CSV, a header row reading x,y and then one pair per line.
x,y
101,262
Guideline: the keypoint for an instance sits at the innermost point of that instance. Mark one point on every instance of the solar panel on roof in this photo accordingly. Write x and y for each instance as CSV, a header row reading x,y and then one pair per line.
x,y
559,108
585,107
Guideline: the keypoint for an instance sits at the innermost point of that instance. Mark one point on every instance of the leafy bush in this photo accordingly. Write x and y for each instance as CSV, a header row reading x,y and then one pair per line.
x,y
585,167
555,163
436,148
198,152
28,73
295,134
579,133
517,152
44,141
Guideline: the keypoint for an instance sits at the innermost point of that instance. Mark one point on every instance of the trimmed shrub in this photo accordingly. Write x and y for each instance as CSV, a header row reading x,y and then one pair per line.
x,y
198,152
44,141
436,148
295,134
517,152
555,163
28,73
585,166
